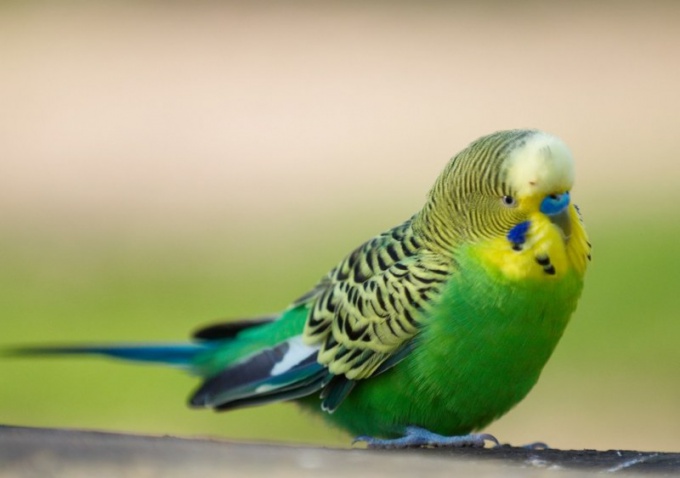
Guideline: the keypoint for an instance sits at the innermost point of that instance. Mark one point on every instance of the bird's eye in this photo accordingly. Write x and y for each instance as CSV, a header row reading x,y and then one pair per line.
x,y
509,201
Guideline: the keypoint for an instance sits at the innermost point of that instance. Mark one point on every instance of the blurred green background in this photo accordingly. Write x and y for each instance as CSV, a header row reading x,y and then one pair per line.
x,y
166,165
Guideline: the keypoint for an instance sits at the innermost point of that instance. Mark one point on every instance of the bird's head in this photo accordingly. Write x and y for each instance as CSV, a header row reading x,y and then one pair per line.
x,y
509,191
539,175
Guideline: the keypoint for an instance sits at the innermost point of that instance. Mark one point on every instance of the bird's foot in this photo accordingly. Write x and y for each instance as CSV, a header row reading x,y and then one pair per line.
x,y
420,437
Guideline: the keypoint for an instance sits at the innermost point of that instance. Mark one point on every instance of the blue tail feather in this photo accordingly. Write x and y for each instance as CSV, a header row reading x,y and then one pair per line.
x,y
180,355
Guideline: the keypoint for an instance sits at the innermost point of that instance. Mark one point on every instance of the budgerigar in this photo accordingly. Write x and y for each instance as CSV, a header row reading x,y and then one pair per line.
x,y
430,330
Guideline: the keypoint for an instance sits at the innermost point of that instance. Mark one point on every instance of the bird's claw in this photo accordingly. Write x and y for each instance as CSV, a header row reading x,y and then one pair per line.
x,y
420,437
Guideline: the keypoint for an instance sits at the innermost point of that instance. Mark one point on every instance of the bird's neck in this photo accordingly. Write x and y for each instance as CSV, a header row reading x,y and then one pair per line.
x,y
435,234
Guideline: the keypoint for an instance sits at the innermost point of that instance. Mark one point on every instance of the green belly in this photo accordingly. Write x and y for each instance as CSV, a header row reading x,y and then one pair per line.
x,y
479,353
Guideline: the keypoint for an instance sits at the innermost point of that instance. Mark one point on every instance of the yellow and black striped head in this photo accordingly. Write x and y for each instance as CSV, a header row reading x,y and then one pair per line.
x,y
510,191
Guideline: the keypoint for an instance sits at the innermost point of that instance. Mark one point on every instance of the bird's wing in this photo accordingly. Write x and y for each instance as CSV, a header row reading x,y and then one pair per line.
x,y
359,321
365,312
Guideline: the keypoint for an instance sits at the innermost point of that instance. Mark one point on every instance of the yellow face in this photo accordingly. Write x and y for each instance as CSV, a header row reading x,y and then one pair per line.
x,y
546,239
545,252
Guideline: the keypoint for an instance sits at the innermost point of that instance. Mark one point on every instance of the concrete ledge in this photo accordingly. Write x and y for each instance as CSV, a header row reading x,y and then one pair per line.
x,y
74,453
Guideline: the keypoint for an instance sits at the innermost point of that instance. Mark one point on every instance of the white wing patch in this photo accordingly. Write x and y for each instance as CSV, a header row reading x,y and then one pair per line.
x,y
297,352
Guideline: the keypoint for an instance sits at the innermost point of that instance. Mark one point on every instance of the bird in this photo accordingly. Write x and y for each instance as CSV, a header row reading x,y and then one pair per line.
x,y
425,333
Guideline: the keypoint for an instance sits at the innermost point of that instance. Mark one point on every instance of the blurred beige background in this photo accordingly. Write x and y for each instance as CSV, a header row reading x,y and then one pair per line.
x,y
184,111
249,146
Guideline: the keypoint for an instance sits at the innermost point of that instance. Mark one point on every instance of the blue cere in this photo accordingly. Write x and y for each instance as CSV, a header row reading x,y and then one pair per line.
x,y
555,203
518,234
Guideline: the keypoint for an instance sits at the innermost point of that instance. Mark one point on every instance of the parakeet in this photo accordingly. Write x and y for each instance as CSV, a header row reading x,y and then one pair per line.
x,y
428,331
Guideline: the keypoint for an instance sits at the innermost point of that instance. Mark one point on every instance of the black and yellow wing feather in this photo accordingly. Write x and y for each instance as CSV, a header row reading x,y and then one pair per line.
x,y
373,303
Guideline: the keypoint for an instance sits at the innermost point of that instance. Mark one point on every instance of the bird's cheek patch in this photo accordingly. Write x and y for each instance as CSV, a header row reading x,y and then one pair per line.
x,y
518,235
516,254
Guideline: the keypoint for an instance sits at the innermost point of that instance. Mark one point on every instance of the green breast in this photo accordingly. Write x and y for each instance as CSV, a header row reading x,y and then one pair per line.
x,y
479,353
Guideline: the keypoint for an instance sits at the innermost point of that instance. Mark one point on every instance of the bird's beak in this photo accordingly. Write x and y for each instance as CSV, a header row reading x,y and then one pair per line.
x,y
556,207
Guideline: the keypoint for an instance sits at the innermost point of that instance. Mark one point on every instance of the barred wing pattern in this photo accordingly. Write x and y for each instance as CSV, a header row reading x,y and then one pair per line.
x,y
372,304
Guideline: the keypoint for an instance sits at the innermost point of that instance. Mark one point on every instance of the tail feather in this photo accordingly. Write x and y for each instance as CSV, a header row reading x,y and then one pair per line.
x,y
241,363
180,355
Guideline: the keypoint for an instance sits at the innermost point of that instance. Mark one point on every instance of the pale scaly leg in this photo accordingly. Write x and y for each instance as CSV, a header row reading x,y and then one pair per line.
x,y
420,437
